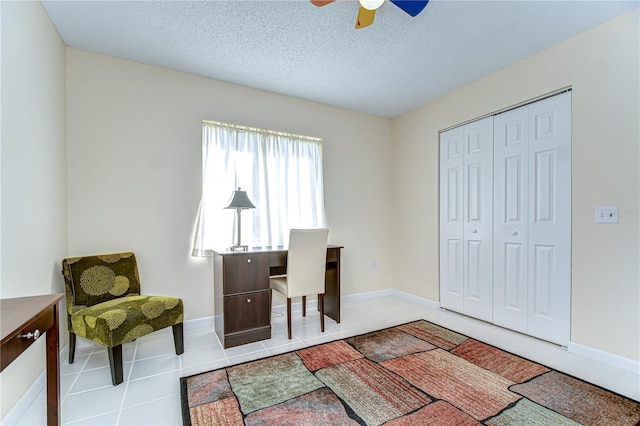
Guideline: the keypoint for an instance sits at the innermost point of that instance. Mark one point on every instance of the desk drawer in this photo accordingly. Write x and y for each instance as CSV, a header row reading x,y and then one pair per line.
x,y
247,311
245,272
16,345
278,259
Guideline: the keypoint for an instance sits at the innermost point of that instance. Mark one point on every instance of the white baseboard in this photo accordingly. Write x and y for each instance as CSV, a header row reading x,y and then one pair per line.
x,y
199,322
605,357
428,303
368,295
25,402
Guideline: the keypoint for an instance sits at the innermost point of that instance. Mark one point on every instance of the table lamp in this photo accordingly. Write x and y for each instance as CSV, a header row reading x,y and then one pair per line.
x,y
239,201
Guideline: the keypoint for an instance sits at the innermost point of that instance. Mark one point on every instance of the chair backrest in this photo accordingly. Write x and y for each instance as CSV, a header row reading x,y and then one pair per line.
x,y
95,279
306,261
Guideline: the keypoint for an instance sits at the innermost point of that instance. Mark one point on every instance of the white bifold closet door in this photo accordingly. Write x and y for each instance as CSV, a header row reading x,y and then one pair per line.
x,y
505,219
466,167
532,219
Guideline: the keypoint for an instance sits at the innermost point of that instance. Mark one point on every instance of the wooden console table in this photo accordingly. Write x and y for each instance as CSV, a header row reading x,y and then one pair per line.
x,y
242,295
22,321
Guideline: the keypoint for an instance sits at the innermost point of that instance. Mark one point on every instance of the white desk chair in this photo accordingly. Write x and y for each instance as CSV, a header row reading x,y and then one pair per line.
x,y
306,263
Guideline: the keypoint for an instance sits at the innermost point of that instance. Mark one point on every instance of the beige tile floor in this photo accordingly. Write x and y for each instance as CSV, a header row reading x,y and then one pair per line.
x,y
150,394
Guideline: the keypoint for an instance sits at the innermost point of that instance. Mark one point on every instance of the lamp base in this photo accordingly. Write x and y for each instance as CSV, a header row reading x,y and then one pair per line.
x,y
239,248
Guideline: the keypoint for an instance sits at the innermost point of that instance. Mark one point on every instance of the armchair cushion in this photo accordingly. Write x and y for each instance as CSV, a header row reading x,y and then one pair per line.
x,y
95,279
125,319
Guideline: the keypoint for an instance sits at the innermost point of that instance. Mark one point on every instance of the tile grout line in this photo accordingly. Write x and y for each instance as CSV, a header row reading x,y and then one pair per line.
x,y
77,376
124,396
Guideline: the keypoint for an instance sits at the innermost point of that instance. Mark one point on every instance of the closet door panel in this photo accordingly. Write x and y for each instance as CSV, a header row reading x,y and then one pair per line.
x,y
511,137
549,243
451,224
478,207
505,220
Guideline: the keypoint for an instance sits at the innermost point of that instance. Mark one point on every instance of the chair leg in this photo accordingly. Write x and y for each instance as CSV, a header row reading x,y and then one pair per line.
x,y
304,306
178,338
321,303
115,362
72,347
289,316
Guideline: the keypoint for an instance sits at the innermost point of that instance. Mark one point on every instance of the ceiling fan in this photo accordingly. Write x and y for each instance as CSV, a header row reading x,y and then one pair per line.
x,y
367,10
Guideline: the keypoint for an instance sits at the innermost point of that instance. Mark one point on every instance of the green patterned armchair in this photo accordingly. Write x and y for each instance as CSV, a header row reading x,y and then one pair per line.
x,y
104,305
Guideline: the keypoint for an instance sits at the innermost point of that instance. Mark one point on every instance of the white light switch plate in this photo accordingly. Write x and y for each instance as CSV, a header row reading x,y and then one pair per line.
x,y
607,214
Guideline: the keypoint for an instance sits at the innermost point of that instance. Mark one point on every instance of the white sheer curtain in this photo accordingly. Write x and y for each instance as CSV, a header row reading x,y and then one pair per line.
x,y
282,174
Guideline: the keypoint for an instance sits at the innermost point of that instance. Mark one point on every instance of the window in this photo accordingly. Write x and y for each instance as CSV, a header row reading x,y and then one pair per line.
x,y
282,174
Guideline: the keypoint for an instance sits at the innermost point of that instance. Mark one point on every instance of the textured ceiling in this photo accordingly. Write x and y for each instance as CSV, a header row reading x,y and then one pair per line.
x,y
297,49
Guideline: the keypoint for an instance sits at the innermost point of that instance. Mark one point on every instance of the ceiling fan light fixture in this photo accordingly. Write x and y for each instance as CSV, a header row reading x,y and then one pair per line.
x,y
371,4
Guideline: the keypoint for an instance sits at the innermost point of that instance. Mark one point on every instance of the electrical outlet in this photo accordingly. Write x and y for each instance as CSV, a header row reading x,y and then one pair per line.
x,y
607,214
374,264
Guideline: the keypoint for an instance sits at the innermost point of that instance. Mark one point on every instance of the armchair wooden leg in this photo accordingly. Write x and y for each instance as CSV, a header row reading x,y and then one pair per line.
x,y
115,362
321,303
72,347
178,338
289,316
304,306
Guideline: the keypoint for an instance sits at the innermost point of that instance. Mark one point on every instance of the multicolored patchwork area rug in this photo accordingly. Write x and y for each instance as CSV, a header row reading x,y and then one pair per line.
x,y
413,374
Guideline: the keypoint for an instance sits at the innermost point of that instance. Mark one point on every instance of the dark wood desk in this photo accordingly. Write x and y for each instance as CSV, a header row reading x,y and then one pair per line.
x,y
242,296
22,321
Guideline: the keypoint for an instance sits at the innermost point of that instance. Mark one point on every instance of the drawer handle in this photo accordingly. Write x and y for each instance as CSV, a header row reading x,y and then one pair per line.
x,y
248,260
30,335
248,300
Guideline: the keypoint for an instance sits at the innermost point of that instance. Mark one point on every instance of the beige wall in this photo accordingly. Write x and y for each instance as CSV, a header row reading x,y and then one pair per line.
x,y
131,167
602,67
33,168
134,144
